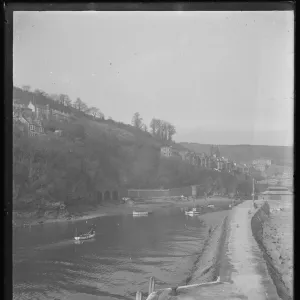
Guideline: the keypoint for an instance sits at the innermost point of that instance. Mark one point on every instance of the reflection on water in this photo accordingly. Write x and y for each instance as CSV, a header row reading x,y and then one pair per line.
x,y
114,265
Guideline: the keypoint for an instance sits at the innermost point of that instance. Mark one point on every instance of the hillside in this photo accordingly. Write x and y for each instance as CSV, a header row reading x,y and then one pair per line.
x,y
95,155
247,153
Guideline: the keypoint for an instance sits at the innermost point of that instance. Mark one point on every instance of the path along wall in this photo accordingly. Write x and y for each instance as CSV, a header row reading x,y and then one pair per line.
x,y
257,229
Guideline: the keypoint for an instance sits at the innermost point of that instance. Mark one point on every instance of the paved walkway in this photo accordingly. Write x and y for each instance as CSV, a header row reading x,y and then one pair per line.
x,y
243,270
243,262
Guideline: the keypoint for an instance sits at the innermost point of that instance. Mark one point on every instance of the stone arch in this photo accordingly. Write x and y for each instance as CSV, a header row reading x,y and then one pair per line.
x,y
115,195
107,195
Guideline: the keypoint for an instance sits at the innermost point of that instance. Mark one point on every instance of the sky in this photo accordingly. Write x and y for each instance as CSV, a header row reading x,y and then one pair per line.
x,y
219,77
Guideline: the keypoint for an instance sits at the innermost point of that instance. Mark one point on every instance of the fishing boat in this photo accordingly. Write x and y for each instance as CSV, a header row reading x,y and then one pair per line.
x,y
140,213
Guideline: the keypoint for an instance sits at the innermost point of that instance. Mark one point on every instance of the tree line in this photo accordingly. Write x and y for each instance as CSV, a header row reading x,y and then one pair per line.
x,y
158,128
65,100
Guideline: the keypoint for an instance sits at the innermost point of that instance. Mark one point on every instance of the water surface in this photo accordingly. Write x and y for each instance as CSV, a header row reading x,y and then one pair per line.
x,y
119,261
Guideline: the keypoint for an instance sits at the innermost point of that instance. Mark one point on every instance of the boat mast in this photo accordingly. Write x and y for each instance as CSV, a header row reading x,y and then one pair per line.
x,y
253,189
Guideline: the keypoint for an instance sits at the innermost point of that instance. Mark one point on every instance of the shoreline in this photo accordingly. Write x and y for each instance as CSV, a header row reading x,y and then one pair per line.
x,y
120,209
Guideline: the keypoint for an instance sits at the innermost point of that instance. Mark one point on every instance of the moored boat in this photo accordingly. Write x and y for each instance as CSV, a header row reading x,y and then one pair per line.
x,y
140,213
192,212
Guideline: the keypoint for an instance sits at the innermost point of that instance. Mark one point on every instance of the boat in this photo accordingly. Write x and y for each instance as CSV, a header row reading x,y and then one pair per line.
x,y
211,206
192,212
85,236
140,213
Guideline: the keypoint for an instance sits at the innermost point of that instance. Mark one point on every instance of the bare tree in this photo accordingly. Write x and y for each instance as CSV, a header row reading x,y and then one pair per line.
x,y
54,97
26,88
171,131
38,91
153,126
68,101
65,100
95,112
80,105
145,128
158,128
164,131
137,121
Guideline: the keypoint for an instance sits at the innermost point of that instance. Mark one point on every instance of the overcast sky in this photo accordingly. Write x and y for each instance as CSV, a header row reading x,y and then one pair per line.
x,y
219,77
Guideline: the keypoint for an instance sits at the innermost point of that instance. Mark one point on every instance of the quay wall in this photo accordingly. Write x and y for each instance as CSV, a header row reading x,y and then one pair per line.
x,y
257,222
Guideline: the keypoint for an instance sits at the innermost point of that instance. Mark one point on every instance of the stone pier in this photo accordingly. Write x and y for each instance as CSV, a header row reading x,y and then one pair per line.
x,y
243,273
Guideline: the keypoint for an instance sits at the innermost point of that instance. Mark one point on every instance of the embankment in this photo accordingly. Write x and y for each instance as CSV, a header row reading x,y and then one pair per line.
x,y
207,265
257,222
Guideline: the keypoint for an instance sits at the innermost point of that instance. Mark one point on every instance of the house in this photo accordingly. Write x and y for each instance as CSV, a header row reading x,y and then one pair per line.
x,y
166,151
33,126
262,164
265,161
41,112
184,155
57,111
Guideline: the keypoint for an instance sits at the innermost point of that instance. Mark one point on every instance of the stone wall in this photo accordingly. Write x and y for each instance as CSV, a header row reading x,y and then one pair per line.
x,y
257,222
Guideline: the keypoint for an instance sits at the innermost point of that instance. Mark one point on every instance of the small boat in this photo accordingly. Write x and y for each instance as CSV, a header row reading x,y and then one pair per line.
x,y
140,213
192,212
211,206
85,236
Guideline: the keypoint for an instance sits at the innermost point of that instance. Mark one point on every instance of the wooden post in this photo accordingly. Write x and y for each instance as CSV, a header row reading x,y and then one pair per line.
x,y
151,285
138,295
253,189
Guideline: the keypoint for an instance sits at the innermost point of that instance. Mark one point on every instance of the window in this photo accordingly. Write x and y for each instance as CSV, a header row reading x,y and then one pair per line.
x,y
31,127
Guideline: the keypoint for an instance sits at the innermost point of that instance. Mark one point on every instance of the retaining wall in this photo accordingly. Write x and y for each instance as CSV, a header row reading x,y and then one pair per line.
x,y
257,222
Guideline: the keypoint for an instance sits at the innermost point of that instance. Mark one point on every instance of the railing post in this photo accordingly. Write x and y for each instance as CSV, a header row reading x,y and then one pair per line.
x,y
151,285
138,295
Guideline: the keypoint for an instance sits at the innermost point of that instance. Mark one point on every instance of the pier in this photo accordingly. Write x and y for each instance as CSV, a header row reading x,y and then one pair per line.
x,y
243,272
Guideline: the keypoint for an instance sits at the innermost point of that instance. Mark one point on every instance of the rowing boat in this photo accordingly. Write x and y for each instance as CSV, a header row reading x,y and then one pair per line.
x,y
192,212
85,236
140,213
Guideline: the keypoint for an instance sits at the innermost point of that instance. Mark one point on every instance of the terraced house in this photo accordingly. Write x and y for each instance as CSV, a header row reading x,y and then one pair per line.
x,y
33,126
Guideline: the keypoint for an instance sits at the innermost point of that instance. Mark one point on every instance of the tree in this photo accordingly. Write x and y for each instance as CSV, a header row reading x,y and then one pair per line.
x,y
171,131
95,112
145,128
39,92
158,128
55,97
80,105
153,126
26,88
68,101
65,100
137,121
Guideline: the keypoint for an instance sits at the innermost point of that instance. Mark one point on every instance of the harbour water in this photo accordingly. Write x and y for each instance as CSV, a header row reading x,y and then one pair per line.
x,y
126,251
